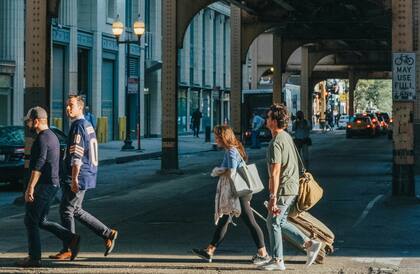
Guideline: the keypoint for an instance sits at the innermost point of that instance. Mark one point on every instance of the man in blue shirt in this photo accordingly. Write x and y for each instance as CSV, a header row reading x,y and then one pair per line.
x,y
81,166
42,187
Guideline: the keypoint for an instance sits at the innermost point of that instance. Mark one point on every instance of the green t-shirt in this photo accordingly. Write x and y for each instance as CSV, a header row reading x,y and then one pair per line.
x,y
281,150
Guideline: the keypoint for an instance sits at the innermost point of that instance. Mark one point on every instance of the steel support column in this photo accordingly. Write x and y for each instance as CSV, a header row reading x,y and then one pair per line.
x,y
236,70
277,64
403,111
169,161
304,81
352,87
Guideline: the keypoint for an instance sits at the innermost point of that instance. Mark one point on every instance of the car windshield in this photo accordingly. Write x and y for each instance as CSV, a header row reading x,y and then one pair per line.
x,y
12,136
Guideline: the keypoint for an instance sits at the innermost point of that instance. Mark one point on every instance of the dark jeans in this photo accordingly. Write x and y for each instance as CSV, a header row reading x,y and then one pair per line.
x,y
248,217
196,129
254,139
36,218
71,208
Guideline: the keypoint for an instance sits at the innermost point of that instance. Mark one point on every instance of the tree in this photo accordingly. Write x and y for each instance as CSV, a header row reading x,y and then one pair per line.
x,y
373,94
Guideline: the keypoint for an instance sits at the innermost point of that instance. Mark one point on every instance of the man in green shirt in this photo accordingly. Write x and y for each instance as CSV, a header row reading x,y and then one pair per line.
x,y
283,170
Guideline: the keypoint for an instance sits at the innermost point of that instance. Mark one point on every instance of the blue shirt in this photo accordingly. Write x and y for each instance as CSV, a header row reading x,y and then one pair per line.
x,y
82,150
232,159
45,157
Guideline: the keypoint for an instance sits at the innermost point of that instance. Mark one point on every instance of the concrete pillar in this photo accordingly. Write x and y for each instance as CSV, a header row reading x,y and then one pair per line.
x,y
236,69
12,34
68,17
169,88
322,100
277,64
403,111
304,81
352,86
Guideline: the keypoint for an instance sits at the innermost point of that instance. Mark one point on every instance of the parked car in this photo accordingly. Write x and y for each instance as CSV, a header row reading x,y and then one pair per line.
x,y
264,134
343,121
361,126
12,146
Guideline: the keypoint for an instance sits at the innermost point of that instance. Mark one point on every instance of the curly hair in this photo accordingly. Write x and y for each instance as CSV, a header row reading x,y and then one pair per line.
x,y
229,140
278,112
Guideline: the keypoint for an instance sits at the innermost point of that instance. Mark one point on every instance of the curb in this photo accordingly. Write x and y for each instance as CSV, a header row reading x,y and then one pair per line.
x,y
145,156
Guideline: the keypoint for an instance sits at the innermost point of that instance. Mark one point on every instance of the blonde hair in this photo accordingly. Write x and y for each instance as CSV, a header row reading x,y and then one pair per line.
x,y
229,140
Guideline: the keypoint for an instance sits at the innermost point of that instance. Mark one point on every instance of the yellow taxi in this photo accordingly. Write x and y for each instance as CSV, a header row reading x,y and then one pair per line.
x,y
361,126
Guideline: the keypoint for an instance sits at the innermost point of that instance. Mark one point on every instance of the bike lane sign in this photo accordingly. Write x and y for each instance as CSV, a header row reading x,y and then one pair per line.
x,y
404,76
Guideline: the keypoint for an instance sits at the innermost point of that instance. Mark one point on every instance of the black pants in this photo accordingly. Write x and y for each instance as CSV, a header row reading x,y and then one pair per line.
x,y
248,217
36,217
196,129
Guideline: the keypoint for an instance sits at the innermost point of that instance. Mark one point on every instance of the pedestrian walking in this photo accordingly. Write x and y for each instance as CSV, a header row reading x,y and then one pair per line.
x,y
283,170
227,205
302,130
90,117
257,124
81,165
195,120
42,188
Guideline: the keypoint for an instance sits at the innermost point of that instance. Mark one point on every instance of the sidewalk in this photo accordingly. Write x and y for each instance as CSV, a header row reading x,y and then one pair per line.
x,y
111,153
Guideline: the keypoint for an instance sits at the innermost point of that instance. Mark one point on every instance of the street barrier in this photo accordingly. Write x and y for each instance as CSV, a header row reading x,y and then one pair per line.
x,y
58,123
121,127
102,129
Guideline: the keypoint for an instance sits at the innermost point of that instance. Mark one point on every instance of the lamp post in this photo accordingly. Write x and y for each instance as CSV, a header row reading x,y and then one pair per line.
x,y
117,30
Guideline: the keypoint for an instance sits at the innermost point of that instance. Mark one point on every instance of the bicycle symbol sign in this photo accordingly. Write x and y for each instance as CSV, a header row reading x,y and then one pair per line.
x,y
404,76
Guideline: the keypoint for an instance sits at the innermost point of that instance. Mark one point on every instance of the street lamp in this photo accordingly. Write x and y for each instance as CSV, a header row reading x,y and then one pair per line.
x,y
117,30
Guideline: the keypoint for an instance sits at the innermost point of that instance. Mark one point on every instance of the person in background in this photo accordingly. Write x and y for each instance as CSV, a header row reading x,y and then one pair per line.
x,y
195,120
302,130
257,124
90,117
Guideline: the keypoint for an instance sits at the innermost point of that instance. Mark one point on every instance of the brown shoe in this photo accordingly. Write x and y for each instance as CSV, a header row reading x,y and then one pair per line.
x,y
62,255
110,242
28,262
74,247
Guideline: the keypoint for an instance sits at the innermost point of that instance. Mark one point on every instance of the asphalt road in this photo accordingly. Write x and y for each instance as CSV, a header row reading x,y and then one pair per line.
x,y
160,218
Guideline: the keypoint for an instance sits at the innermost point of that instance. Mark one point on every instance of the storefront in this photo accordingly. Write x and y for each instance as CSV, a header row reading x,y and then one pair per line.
x,y
6,90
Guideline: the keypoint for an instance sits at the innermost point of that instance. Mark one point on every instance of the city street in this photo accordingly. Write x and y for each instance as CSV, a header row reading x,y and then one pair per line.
x,y
161,218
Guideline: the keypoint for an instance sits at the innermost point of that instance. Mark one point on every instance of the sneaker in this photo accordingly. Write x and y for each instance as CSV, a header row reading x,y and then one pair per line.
x,y
273,265
74,247
202,253
110,242
28,262
260,260
62,255
312,252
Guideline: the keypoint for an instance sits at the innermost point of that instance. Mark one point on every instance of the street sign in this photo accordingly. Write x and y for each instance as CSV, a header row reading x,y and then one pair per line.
x,y
404,76
133,85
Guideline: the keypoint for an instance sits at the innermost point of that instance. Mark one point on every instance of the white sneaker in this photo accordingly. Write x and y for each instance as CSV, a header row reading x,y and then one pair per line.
x,y
312,252
273,265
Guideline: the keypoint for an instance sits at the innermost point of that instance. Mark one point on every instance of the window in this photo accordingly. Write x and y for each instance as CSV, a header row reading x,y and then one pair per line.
x,y
111,6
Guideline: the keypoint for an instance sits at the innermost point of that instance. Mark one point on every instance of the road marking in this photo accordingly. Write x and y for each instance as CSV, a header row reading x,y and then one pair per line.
x,y
99,198
367,209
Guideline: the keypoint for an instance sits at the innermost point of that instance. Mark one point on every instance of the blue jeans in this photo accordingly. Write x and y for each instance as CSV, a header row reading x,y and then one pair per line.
x,y
279,224
254,139
71,208
36,218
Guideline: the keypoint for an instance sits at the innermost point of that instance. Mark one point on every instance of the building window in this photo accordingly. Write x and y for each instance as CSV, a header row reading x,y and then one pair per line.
x,y
111,10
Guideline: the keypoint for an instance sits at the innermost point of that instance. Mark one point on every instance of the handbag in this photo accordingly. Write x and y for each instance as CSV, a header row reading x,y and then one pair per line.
x,y
310,192
245,179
